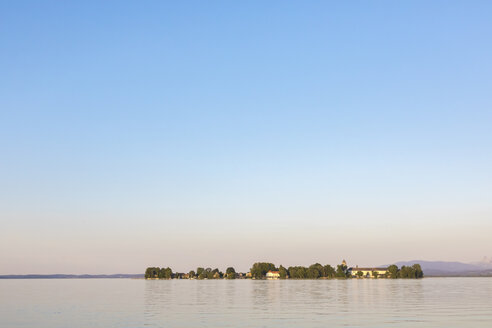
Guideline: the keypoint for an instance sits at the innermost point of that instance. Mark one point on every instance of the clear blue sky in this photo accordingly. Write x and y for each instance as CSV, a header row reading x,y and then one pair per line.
x,y
222,133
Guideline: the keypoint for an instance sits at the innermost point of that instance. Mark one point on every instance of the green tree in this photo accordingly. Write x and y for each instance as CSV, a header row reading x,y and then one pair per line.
x,y
259,269
329,271
342,271
404,272
375,274
393,271
359,274
418,271
199,271
411,272
282,272
169,273
315,271
216,274
191,274
152,272
298,272
230,273
312,272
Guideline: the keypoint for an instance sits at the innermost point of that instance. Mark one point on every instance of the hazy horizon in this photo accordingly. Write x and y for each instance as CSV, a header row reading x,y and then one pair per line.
x,y
223,133
246,268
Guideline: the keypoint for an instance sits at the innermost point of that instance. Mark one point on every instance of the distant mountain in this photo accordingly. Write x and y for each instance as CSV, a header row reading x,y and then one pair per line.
x,y
69,276
441,268
486,263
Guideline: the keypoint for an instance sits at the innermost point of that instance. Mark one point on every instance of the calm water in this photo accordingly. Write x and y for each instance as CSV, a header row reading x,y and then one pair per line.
x,y
430,302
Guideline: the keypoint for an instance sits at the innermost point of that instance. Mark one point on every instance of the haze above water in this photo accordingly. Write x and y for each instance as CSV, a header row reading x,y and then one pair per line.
x,y
430,302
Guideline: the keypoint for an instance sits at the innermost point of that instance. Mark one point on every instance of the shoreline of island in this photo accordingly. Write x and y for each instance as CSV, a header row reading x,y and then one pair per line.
x,y
269,271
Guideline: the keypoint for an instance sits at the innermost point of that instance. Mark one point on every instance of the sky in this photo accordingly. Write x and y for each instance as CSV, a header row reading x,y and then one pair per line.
x,y
222,133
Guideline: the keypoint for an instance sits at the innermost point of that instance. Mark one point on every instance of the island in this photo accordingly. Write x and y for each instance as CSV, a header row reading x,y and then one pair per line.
x,y
267,270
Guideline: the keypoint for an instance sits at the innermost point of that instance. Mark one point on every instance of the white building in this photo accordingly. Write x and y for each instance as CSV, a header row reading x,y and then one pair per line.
x,y
272,275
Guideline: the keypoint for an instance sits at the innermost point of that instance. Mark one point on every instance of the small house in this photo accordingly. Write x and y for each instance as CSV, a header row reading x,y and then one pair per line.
x,y
273,275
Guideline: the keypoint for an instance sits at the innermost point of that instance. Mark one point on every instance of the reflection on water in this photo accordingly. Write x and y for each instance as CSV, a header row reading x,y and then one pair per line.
x,y
431,302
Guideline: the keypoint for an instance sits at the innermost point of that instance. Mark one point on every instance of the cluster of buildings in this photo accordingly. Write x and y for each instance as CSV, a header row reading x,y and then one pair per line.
x,y
354,272
367,272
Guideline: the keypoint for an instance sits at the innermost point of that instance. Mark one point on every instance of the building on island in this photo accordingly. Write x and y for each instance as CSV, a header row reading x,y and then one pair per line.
x,y
272,275
367,272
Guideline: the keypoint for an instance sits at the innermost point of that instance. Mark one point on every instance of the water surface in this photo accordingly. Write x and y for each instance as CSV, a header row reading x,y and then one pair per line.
x,y
429,302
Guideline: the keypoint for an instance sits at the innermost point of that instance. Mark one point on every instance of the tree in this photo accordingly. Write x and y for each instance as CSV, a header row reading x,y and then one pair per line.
x,y
393,271
411,272
329,271
167,273
375,274
418,271
312,273
230,273
152,272
342,271
259,269
315,271
199,271
298,272
359,274
215,274
282,272
191,274
405,272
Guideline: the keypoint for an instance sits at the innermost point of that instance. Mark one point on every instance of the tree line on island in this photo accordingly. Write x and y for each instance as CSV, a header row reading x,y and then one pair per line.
x,y
200,273
264,270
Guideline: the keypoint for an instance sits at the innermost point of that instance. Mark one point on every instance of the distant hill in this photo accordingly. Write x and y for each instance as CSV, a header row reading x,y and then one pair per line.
x,y
69,276
486,263
441,268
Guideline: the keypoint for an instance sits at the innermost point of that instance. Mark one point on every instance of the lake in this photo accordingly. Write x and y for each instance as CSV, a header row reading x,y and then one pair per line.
x,y
428,302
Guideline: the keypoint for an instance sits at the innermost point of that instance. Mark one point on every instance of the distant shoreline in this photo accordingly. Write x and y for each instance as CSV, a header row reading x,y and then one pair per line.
x,y
72,276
